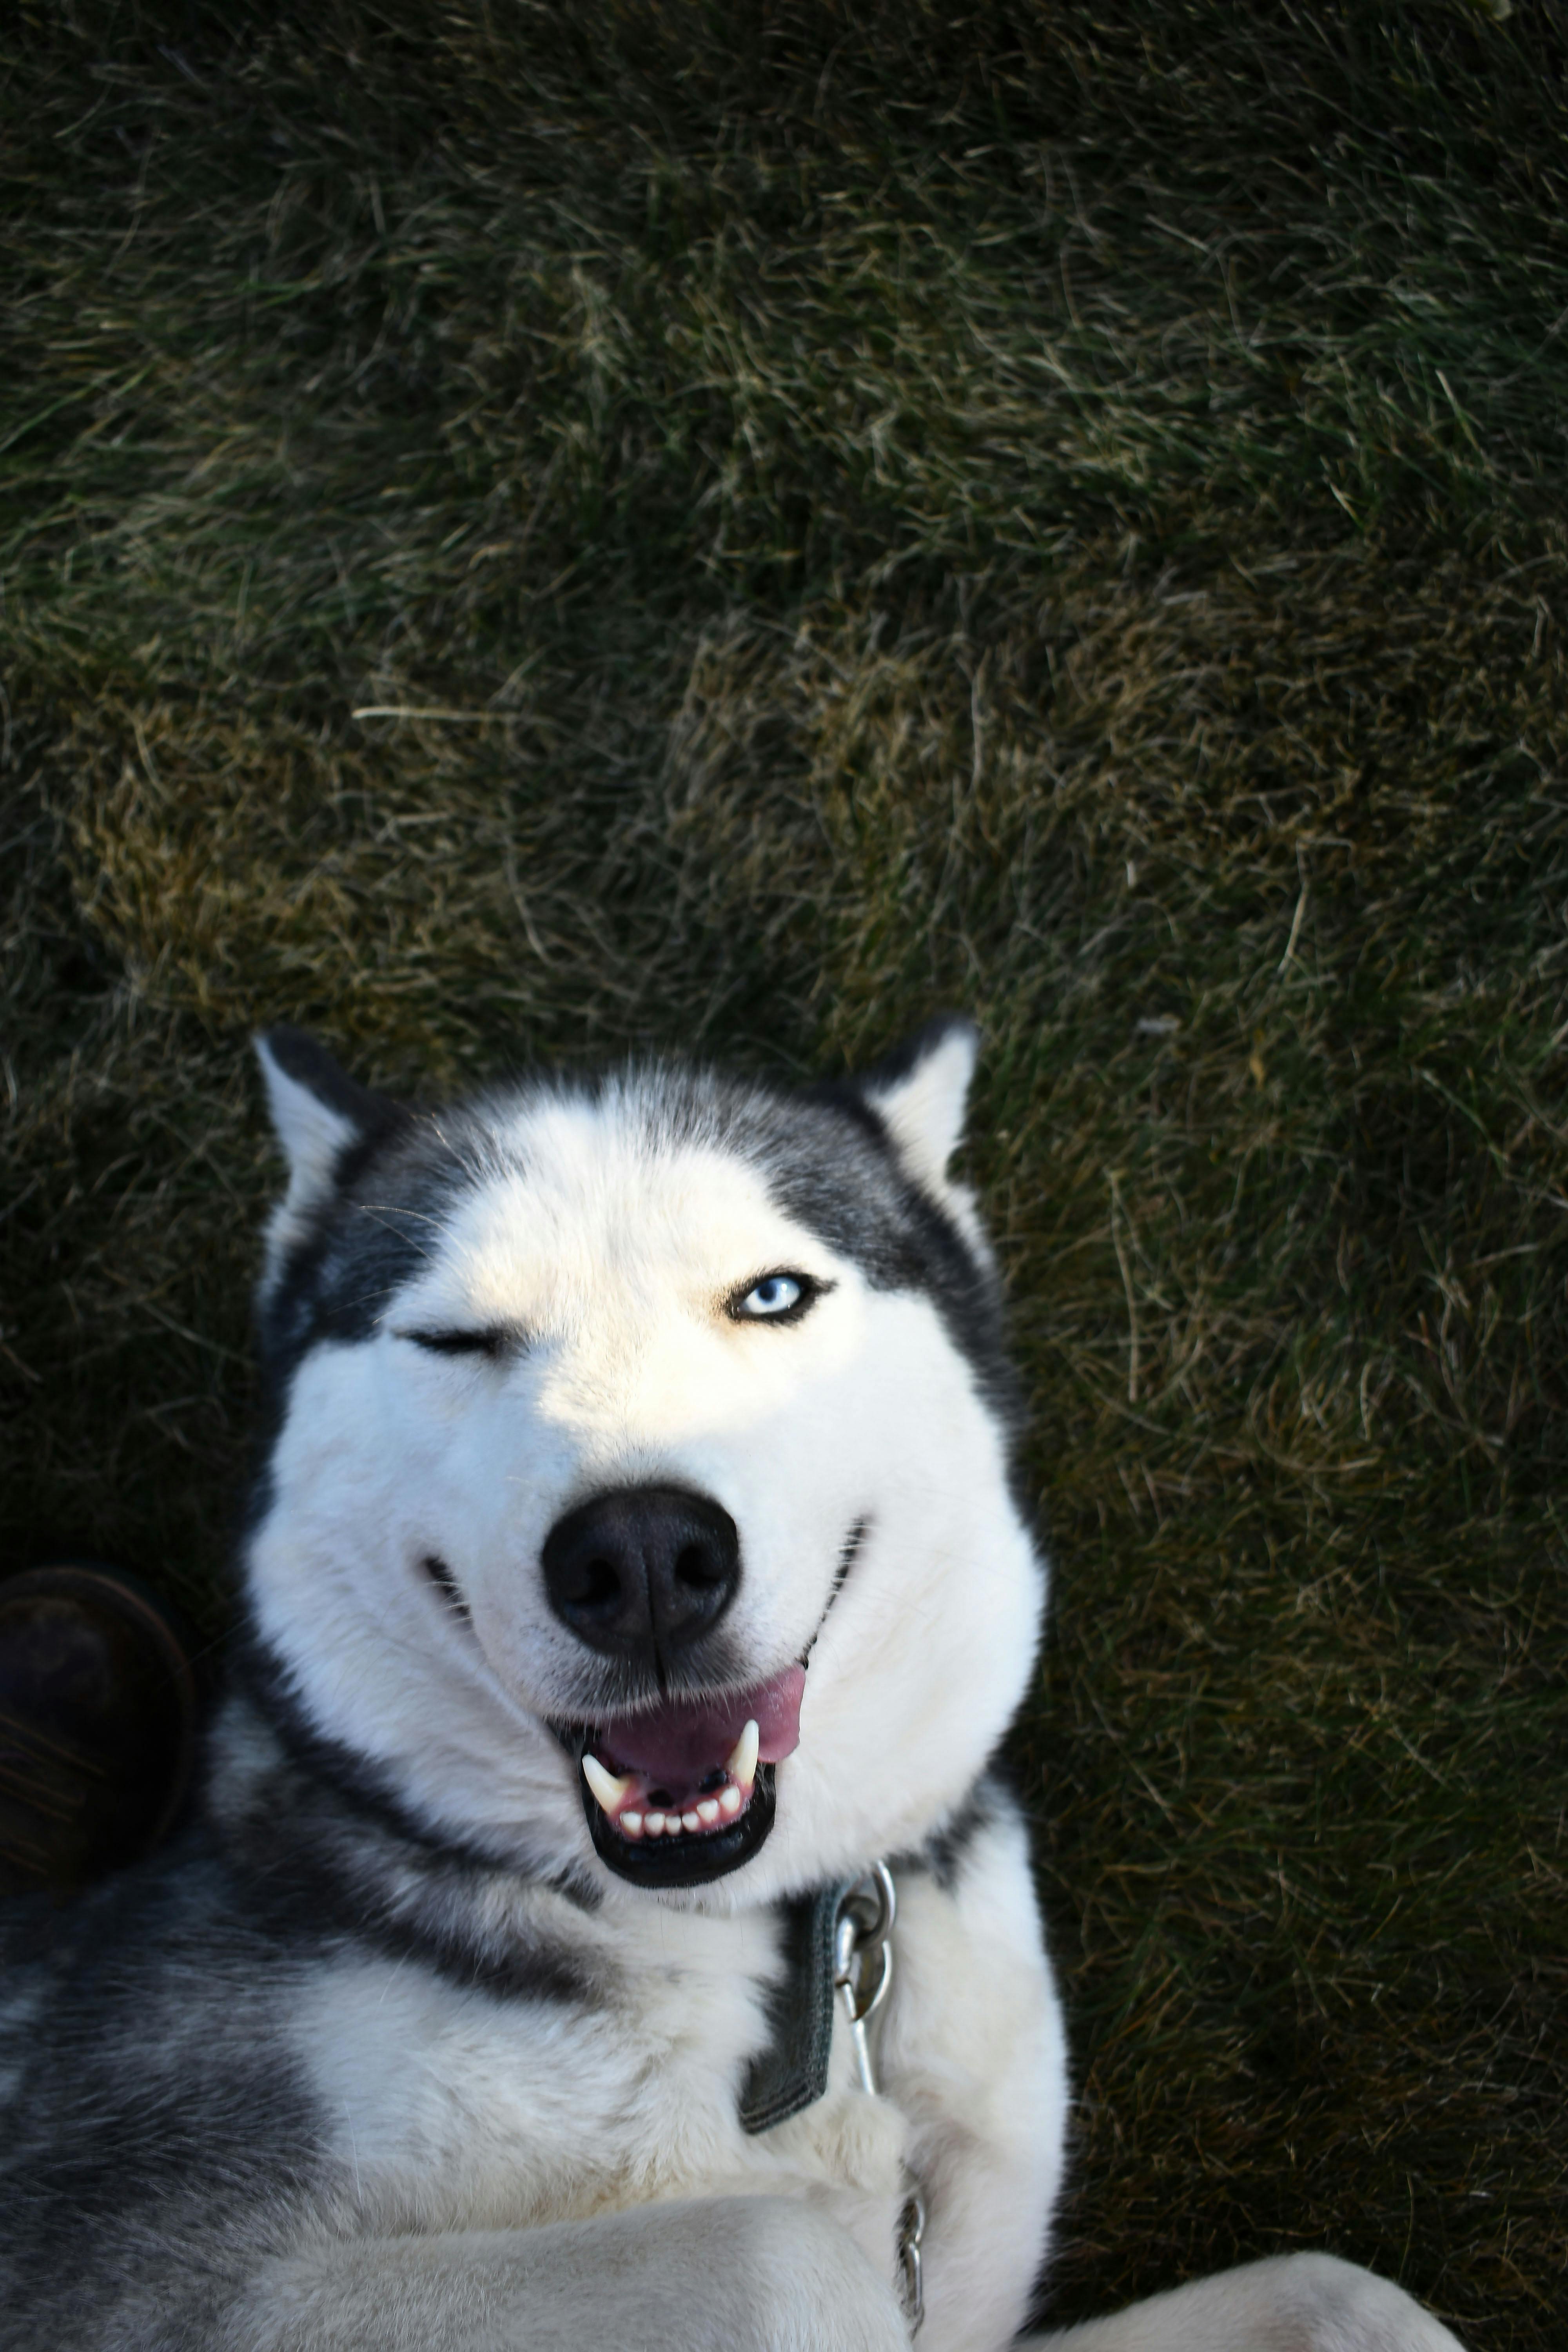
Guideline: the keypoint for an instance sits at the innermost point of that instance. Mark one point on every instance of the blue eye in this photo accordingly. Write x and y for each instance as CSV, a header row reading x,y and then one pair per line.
x,y
776,1298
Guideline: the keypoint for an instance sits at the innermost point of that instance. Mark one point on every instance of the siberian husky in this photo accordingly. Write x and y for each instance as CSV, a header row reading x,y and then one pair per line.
x,y
636,1595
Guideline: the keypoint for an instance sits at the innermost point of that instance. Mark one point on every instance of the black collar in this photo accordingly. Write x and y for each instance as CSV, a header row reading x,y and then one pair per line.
x,y
792,2070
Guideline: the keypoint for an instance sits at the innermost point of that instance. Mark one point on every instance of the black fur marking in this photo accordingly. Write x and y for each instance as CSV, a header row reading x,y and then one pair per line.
x,y
946,1851
160,2111
902,1060
305,1060
395,1183
827,1160
162,2141
943,1853
358,1788
312,1868
365,1243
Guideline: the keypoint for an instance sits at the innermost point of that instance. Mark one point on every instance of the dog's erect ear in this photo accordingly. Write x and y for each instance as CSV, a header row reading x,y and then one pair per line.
x,y
318,1111
921,1093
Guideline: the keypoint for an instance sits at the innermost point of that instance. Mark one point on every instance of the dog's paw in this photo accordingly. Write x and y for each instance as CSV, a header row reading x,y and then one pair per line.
x,y
858,2142
1290,2303
815,2289
1328,2305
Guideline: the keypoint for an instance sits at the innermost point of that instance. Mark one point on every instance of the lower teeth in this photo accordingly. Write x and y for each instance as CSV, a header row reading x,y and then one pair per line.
x,y
738,1776
706,1813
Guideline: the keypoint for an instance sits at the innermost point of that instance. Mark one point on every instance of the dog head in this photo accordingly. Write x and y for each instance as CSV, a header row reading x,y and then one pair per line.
x,y
639,1499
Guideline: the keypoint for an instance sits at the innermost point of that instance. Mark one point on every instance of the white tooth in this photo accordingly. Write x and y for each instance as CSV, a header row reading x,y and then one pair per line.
x,y
630,1825
690,1821
672,1825
707,1812
730,1803
607,1787
654,1824
742,1763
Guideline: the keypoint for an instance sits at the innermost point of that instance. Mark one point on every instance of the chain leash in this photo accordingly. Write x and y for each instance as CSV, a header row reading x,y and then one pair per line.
x,y
862,1972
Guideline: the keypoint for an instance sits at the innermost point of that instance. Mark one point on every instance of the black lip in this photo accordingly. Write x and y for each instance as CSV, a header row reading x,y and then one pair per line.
x,y
694,1861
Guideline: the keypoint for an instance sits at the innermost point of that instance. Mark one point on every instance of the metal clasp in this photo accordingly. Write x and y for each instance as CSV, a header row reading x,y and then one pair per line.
x,y
863,1959
862,1972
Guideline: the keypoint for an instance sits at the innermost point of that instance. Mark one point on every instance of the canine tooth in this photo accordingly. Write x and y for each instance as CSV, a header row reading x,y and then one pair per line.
x,y
690,1821
730,1803
630,1825
707,1810
741,1765
654,1824
609,1789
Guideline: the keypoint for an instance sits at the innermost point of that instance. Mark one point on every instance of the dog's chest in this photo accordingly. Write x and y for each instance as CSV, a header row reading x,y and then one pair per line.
x,y
457,2108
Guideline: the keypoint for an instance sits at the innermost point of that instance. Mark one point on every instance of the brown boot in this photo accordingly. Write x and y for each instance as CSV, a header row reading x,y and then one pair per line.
x,y
98,1718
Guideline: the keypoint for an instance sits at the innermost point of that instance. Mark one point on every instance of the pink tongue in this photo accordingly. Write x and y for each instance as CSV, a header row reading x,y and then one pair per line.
x,y
685,1738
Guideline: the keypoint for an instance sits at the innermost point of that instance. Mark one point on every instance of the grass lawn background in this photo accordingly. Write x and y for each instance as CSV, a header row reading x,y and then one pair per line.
x,y
528,532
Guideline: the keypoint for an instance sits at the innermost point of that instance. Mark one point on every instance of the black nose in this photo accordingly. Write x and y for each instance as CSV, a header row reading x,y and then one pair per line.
x,y
644,1571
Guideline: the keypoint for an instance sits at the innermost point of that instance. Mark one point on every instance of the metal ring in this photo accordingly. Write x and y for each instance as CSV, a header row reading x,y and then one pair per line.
x,y
872,1903
880,1957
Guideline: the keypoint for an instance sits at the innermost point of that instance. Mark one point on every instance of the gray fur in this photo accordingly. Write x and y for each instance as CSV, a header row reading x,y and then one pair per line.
x,y
163,2144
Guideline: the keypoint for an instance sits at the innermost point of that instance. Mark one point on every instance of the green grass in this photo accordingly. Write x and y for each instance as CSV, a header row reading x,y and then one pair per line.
x,y
1057,509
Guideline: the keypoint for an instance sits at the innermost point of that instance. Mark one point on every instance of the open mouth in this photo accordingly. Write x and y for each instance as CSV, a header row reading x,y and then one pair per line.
x,y
685,1791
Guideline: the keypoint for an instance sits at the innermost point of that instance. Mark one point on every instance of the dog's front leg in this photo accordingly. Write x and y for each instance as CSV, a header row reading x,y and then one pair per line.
x,y
719,2275
972,2051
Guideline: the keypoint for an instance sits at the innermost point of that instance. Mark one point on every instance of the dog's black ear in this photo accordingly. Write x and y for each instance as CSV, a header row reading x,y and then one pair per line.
x,y
319,1113
921,1093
